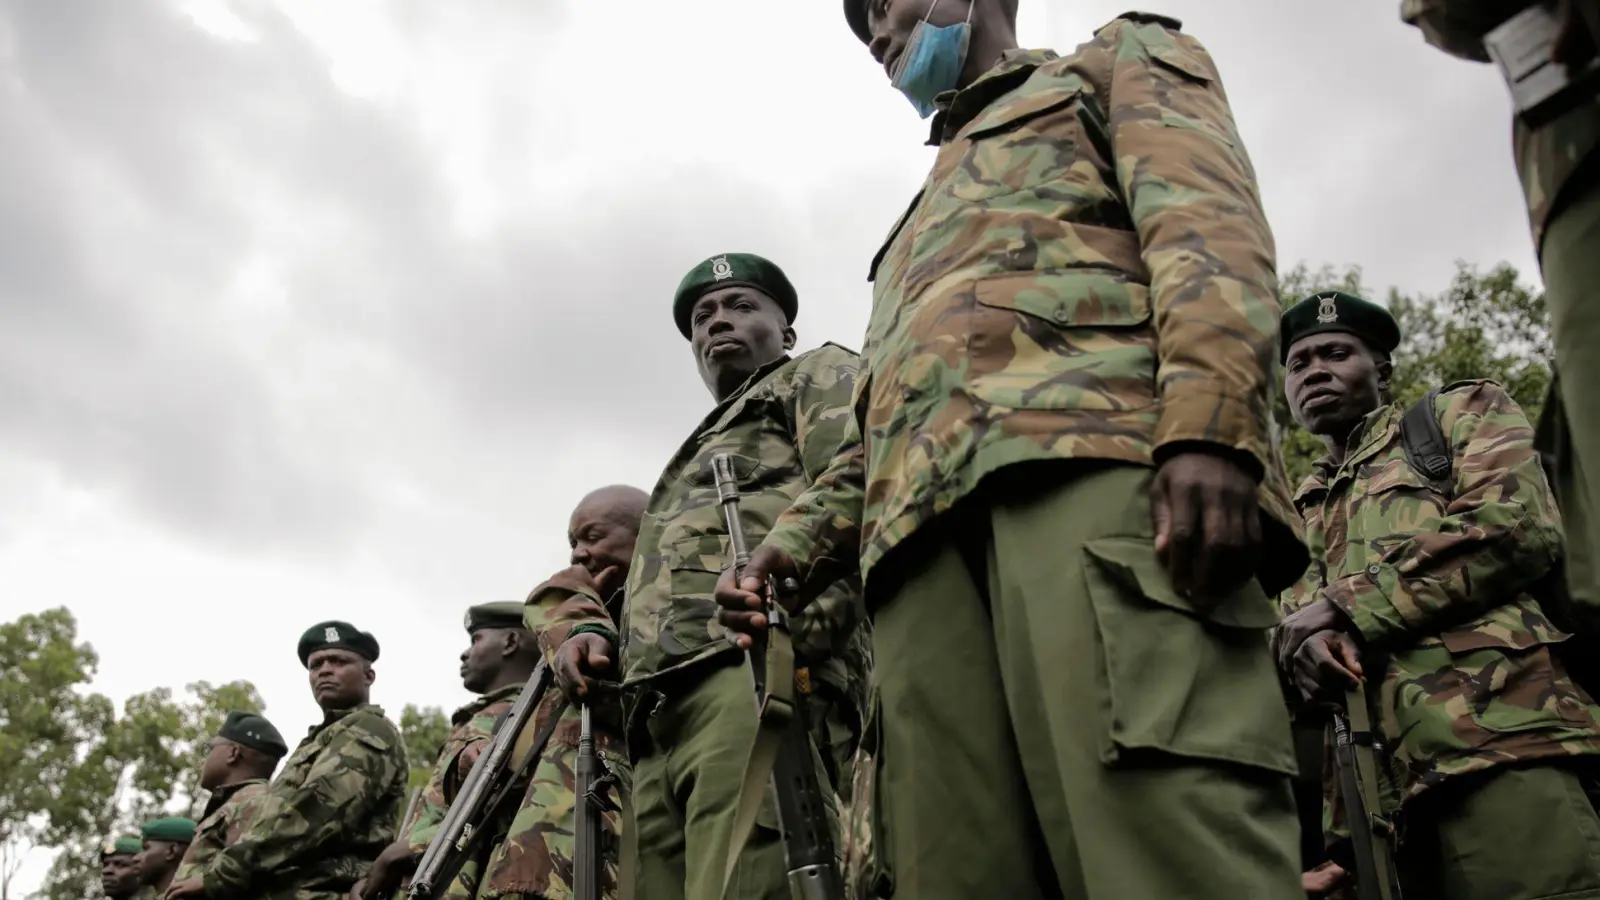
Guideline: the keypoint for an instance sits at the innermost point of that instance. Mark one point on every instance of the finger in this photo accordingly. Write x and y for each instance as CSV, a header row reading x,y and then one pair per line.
x,y
742,622
1183,535
1350,657
1161,515
1213,545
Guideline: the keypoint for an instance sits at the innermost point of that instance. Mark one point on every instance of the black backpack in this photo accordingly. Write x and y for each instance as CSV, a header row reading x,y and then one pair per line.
x,y
1430,453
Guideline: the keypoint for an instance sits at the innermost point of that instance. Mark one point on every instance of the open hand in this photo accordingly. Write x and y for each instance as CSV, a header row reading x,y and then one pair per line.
x,y
582,660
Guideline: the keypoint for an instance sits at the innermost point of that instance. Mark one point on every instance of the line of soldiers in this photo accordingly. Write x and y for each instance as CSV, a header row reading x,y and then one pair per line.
x,y
1039,577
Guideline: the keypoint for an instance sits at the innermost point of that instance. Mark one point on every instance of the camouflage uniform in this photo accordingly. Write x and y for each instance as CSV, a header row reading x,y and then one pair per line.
x,y
472,728
533,857
229,811
859,869
691,711
1560,172
1459,656
328,814
1083,287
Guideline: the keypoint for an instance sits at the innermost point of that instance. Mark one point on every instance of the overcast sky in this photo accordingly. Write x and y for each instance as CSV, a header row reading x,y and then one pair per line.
x,y
317,309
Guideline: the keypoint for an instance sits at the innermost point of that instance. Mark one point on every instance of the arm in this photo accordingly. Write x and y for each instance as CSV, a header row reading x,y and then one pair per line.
x,y
1191,191
1499,533
821,530
562,605
297,821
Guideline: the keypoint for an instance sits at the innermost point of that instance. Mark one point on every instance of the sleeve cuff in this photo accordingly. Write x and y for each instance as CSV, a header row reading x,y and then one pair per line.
x,y
1202,415
593,628
1364,599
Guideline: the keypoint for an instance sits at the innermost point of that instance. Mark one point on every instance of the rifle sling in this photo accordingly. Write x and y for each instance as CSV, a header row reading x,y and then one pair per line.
x,y
775,710
532,750
1363,750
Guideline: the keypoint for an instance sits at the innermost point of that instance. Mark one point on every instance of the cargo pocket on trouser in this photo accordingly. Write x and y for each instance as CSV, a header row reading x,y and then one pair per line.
x,y
1181,681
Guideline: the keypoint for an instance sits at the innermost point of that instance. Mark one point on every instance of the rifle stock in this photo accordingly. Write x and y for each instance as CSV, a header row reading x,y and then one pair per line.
x,y
802,809
485,790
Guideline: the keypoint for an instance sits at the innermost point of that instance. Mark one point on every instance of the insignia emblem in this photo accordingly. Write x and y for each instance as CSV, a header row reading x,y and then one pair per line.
x,y
330,634
720,269
109,848
1327,309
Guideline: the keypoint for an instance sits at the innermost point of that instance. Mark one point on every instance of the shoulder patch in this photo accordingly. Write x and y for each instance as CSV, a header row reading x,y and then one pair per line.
x,y
1147,18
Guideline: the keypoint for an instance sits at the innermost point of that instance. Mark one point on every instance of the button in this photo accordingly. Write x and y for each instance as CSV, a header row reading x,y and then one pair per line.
x,y
1373,570
1062,314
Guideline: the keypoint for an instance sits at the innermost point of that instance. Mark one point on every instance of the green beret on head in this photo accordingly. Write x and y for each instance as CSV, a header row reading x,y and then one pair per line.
x,y
494,615
1330,311
176,829
337,635
855,12
250,730
729,269
125,845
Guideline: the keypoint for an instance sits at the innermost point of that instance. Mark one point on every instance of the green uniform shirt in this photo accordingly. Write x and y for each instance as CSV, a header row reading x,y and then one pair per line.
x,y
228,812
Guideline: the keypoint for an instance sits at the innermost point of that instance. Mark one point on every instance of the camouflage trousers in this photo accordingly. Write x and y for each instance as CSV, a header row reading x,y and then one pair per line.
x,y
534,857
688,765
1058,722
1523,833
1570,261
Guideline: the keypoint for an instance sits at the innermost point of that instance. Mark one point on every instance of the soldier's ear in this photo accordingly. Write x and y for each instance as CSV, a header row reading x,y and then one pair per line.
x,y
788,338
370,674
1385,373
511,643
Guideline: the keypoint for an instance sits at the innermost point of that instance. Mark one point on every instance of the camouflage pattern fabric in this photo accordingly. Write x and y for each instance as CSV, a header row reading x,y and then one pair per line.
x,y
1435,580
781,429
328,814
1547,157
1087,273
534,855
230,810
857,814
472,726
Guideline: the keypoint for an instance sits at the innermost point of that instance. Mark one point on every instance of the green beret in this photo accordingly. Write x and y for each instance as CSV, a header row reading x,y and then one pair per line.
x,y
729,269
250,730
494,615
855,12
176,829
1329,311
125,845
337,635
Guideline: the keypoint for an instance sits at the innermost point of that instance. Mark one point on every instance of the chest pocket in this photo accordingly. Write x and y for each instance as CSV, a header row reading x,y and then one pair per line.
x,y
1021,144
1390,497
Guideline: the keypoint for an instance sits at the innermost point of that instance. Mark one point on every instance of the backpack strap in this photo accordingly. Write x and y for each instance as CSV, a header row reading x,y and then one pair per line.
x,y
1426,447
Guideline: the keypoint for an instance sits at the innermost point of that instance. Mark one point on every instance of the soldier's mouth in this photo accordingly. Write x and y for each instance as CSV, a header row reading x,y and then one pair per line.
x,y
721,342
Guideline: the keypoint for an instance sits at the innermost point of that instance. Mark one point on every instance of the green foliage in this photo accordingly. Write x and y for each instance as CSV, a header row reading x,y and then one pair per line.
x,y
424,730
1487,325
76,773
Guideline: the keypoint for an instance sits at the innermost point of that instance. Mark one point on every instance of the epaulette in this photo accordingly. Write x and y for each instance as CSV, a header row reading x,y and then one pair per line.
x,y
1147,18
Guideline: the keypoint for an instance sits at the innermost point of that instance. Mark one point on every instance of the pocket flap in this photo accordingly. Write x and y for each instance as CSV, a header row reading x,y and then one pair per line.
x,y
1177,58
704,553
1132,562
1005,116
701,473
1071,298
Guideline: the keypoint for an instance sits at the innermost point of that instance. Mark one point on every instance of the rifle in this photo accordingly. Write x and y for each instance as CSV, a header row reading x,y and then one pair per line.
x,y
782,755
411,809
591,800
485,791
1370,831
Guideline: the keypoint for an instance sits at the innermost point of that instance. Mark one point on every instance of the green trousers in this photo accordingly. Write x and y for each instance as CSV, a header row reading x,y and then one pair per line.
x,y
1570,260
686,781
1058,722
1526,833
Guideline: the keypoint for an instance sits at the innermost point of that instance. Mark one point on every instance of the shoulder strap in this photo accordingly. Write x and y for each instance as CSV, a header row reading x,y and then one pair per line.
x,y
1426,447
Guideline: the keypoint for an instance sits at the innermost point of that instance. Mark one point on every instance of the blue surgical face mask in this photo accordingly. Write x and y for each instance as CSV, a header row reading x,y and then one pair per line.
x,y
932,61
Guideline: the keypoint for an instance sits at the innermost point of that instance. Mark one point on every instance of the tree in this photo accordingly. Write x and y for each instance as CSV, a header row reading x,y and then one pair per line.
x,y
147,765
1483,326
51,737
424,730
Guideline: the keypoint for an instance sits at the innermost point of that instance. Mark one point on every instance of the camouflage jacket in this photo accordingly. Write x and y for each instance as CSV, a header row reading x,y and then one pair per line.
x,y
471,728
781,429
1086,273
230,810
1547,157
533,856
1434,578
328,814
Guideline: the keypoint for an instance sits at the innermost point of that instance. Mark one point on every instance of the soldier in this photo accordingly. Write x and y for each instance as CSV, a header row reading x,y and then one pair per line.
x,y
236,770
165,841
534,858
499,659
860,871
1559,167
119,872
336,803
1421,588
1069,510
692,715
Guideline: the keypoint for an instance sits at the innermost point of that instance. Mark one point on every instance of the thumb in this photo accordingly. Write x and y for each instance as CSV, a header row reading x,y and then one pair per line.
x,y
1349,655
